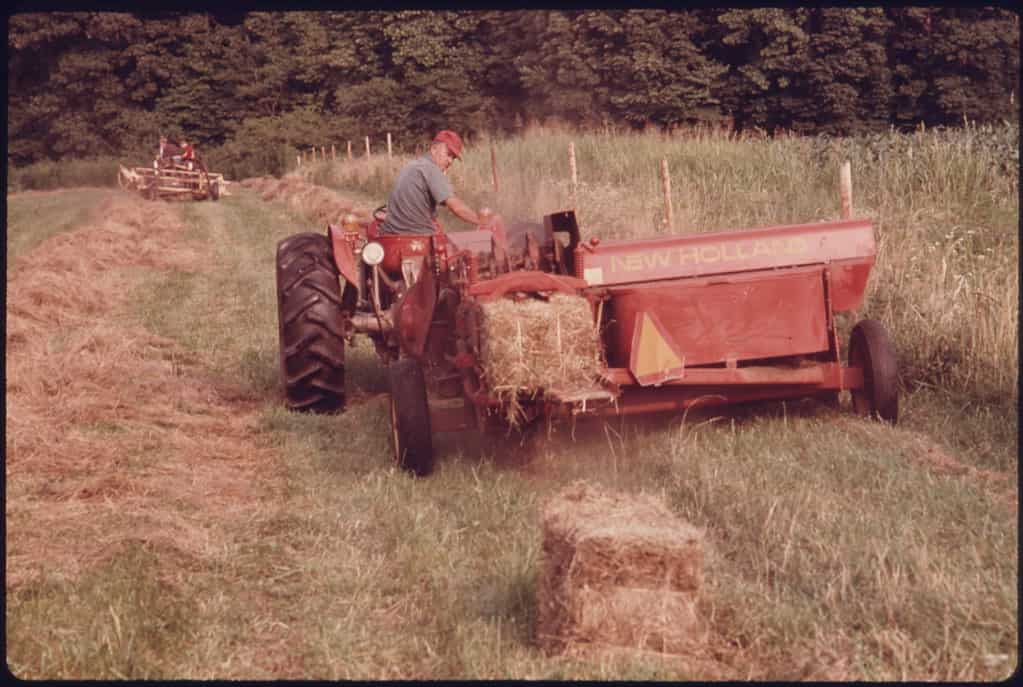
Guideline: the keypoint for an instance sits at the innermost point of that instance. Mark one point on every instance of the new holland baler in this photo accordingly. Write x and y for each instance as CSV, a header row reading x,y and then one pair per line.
x,y
709,319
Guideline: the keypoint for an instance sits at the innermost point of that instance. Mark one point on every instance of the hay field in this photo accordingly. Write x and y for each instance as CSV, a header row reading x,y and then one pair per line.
x,y
166,518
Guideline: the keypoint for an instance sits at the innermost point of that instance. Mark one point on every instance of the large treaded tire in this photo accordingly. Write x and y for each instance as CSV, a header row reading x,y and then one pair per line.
x,y
410,417
311,323
871,349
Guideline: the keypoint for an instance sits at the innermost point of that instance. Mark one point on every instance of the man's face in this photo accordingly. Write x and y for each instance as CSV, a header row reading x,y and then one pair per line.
x,y
442,155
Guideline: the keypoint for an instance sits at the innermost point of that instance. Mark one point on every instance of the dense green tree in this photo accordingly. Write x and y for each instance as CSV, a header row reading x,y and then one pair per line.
x,y
954,62
561,71
850,82
654,71
768,54
269,83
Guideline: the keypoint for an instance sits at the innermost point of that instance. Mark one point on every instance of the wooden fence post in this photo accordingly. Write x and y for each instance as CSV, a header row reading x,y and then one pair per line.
x,y
298,158
493,166
349,151
323,153
571,167
388,145
367,146
669,219
333,152
845,188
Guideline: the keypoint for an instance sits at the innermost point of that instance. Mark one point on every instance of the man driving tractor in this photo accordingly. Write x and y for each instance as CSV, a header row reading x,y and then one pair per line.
x,y
421,186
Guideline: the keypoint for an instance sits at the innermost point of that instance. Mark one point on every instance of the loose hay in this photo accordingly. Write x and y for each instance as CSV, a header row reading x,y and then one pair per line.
x,y
535,344
620,571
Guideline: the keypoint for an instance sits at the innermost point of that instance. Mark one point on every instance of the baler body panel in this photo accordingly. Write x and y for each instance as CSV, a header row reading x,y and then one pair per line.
x,y
739,317
846,245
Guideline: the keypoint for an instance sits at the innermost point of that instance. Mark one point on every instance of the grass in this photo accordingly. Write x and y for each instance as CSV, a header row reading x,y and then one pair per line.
x,y
48,174
34,217
836,548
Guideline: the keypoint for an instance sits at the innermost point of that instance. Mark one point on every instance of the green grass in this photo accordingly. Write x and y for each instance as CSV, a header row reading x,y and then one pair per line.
x,y
835,546
34,217
98,172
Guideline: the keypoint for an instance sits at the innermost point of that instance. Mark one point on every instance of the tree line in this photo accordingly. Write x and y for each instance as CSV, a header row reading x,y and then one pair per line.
x,y
250,84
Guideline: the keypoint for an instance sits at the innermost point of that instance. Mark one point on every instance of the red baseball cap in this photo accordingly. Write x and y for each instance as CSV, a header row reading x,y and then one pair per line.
x,y
453,141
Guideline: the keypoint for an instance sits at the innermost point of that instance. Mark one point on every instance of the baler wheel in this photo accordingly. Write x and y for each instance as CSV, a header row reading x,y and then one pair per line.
x,y
410,417
311,324
871,349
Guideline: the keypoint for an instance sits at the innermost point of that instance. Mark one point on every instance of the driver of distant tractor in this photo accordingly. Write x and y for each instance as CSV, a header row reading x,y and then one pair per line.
x,y
421,186
187,153
167,151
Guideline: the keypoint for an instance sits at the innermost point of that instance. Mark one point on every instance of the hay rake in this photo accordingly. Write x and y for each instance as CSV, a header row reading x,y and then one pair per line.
x,y
172,181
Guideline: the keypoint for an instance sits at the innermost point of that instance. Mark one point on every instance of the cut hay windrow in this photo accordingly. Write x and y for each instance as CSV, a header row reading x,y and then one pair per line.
x,y
319,204
115,434
536,344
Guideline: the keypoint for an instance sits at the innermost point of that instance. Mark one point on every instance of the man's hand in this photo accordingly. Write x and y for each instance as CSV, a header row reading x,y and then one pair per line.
x,y
462,211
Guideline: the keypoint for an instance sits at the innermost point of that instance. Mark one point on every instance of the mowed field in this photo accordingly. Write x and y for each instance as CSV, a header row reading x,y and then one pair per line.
x,y
167,518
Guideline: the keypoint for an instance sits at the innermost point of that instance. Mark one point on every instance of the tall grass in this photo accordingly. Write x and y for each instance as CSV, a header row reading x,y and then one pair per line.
x,y
100,172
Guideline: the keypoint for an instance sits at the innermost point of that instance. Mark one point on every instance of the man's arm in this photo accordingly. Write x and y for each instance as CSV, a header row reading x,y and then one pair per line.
x,y
462,211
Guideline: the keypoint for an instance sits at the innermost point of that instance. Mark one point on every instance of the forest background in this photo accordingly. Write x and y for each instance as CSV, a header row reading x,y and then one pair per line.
x,y
252,88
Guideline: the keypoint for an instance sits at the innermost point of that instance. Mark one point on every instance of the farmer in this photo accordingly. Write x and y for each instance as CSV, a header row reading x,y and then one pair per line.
x,y
422,185
167,150
187,153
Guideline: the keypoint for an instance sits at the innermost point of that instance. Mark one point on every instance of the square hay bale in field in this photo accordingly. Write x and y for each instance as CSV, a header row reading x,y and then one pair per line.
x,y
618,570
539,343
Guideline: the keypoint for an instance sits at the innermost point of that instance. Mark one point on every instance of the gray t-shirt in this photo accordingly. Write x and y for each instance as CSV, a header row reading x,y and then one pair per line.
x,y
412,206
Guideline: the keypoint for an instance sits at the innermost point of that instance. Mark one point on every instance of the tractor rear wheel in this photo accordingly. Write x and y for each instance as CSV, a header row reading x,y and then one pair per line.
x,y
410,417
871,350
311,323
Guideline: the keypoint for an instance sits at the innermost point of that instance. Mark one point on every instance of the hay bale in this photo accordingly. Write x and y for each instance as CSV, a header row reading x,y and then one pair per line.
x,y
538,343
618,570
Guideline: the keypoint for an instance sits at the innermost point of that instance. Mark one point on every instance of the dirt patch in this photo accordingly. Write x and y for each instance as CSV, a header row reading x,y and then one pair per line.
x,y
115,434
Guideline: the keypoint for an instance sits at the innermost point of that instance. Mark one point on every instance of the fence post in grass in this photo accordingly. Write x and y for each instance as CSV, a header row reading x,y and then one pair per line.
x,y
323,153
493,166
571,167
298,159
669,214
367,146
333,152
349,151
845,188
388,145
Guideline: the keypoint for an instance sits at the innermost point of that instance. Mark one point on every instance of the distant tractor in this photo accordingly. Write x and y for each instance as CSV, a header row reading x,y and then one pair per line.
x,y
172,179
671,322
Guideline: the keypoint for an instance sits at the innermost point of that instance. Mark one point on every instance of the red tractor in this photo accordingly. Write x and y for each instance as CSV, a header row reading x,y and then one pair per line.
x,y
712,318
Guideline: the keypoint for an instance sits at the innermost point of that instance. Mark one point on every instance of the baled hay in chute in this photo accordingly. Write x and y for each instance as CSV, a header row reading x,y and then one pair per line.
x,y
538,344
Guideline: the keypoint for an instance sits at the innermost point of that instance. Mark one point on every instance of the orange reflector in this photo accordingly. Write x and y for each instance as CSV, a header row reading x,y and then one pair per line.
x,y
655,358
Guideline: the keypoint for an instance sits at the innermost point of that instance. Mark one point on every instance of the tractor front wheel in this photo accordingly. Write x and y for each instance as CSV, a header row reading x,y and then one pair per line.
x,y
871,350
311,324
410,417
